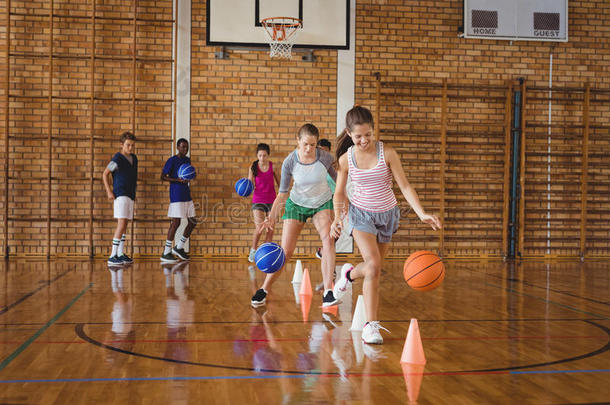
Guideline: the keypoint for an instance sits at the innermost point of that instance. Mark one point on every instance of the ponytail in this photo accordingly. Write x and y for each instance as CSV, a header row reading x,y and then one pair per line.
x,y
344,141
254,168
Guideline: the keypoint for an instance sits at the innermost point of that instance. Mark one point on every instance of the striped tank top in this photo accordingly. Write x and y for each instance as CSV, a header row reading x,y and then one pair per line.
x,y
372,187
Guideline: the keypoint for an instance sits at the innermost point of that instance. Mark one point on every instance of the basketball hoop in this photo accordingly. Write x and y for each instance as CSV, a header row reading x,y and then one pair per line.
x,y
282,33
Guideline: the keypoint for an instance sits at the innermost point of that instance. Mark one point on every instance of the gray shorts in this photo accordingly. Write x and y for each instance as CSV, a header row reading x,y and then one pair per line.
x,y
383,224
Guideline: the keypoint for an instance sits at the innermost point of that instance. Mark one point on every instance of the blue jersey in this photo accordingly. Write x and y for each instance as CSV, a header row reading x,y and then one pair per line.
x,y
124,175
178,192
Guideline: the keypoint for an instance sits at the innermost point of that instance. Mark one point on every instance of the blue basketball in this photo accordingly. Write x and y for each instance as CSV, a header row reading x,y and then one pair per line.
x,y
269,257
244,187
186,172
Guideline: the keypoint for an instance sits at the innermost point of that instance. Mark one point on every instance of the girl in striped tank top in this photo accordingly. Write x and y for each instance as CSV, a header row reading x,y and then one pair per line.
x,y
373,212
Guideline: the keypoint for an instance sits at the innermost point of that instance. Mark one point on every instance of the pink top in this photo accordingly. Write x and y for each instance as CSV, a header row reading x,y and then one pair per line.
x,y
264,186
372,187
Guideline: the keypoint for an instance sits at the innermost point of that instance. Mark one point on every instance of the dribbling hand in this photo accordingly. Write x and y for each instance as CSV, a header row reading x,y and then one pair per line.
x,y
267,224
432,220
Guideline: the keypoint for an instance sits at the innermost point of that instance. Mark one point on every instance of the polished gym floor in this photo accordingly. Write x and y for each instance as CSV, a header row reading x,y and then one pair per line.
x,y
79,332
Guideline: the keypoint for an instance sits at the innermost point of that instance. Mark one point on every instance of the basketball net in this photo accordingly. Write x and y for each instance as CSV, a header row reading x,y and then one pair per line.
x,y
282,33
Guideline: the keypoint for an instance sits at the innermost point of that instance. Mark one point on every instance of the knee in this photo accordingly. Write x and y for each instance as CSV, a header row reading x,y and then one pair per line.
x,y
327,240
373,268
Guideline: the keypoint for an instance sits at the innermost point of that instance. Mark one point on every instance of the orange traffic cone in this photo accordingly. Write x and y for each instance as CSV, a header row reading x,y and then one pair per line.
x,y
413,351
413,374
305,306
306,284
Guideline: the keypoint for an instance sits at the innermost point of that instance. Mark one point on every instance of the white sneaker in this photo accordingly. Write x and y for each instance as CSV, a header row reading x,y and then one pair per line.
x,y
251,255
370,333
342,284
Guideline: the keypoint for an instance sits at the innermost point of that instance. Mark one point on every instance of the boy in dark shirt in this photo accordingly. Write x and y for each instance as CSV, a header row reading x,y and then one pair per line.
x,y
181,204
124,170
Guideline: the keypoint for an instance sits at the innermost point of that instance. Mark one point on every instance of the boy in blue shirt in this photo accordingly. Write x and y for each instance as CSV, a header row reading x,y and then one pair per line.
x,y
181,204
124,170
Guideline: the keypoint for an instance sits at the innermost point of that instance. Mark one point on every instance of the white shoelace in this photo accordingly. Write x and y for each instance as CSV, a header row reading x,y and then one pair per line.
x,y
377,326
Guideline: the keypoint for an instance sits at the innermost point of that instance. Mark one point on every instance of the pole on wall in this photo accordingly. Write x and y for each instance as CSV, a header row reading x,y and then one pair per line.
x,y
175,82
584,173
506,199
378,102
443,158
134,79
6,122
521,247
50,129
92,128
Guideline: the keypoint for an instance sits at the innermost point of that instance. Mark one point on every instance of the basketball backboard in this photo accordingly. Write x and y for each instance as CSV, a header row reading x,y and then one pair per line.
x,y
238,22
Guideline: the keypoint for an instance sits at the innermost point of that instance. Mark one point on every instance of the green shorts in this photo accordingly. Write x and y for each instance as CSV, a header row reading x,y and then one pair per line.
x,y
294,211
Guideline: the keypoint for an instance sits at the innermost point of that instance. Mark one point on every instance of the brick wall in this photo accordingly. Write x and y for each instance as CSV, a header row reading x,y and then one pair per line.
x,y
67,160
249,98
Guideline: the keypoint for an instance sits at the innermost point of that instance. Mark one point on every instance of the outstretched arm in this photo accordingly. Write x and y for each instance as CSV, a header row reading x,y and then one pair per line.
x,y
407,190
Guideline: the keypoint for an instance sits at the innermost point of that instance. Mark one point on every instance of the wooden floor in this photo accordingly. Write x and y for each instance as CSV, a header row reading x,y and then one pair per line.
x,y
77,332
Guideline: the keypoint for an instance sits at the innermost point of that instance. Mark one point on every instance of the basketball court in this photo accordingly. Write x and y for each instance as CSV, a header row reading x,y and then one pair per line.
x,y
500,114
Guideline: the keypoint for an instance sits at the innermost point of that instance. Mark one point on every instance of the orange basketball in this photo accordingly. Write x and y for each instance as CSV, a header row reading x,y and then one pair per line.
x,y
424,271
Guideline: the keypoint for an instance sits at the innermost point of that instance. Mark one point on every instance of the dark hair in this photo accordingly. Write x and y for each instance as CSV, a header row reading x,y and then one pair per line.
x,y
259,147
181,140
310,129
324,143
356,116
127,135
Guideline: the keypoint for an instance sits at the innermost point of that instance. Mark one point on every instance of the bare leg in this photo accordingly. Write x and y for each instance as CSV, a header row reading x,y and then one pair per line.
x,y
290,233
192,222
322,221
173,227
370,270
259,217
121,227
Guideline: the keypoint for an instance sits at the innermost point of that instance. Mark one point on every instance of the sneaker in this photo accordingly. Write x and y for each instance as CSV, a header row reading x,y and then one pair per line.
x,y
370,333
115,261
319,253
125,259
169,258
259,298
329,299
251,255
342,284
181,254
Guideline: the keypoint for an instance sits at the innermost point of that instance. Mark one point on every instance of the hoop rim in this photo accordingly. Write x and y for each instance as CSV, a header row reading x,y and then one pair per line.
x,y
266,22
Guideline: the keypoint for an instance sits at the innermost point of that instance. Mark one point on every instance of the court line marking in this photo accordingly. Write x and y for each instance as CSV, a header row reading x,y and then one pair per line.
x,y
40,331
80,332
6,308
245,340
270,377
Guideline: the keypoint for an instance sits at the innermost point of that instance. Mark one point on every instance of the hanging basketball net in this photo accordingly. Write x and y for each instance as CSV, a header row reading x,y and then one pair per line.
x,y
282,33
